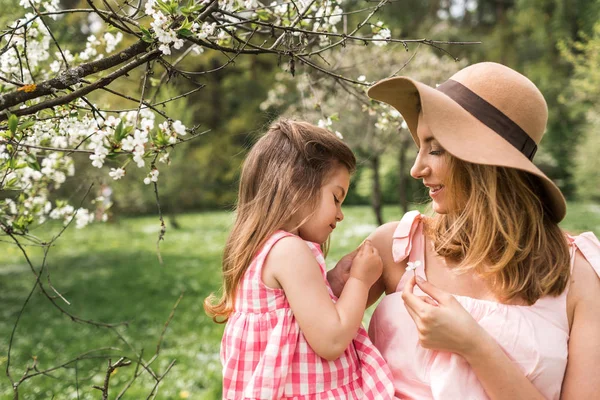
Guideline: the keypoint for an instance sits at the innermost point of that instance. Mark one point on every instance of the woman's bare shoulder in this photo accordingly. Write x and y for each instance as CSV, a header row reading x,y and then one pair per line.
x,y
585,282
384,233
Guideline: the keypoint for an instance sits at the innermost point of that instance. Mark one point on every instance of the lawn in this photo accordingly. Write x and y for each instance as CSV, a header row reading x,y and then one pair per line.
x,y
110,273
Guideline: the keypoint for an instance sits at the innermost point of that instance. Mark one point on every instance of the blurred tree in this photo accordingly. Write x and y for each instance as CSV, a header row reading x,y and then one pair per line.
x,y
583,99
524,34
373,130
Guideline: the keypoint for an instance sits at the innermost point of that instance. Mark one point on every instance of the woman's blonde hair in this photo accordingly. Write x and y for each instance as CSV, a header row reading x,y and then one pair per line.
x,y
282,174
499,228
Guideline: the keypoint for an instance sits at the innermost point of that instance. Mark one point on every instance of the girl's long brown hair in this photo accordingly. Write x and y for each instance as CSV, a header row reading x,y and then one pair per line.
x,y
499,228
282,174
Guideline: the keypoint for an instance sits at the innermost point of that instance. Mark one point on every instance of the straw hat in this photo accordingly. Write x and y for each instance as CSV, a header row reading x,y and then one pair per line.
x,y
486,113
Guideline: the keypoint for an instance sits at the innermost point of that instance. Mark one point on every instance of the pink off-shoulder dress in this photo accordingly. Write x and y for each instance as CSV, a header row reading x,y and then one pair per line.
x,y
534,337
266,356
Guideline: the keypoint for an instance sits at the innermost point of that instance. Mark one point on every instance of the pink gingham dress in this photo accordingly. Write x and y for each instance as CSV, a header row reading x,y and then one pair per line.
x,y
534,337
265,355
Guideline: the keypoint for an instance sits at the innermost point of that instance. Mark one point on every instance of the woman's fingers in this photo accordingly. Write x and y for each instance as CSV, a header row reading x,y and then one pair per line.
x,y
417,303
429,300
410,299
437,294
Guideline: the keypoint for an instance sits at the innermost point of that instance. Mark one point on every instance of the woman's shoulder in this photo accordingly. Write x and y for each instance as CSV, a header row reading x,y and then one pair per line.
x,y
585,277
388,230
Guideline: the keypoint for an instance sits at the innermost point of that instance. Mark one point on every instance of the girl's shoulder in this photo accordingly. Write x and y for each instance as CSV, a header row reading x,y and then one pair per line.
x,y
288,247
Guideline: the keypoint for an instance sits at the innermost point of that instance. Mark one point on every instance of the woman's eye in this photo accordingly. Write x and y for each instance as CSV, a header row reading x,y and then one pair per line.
x,y
335,199
436,152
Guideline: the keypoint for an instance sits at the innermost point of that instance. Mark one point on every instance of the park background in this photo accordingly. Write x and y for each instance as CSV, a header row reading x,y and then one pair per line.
x,y
110,271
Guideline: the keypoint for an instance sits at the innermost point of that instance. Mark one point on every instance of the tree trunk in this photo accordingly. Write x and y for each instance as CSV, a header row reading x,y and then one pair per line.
x,y
402,173
376,197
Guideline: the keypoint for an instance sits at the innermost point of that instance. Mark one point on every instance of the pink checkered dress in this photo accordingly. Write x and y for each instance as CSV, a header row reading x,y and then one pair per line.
x,y
265,355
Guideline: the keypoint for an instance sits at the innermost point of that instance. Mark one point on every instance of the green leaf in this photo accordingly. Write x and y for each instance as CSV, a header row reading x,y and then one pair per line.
x,y
12,183
146,35
27,124
185,32
13,122
145,31
119,132
147,39
164,7
263,15
33,162
7,135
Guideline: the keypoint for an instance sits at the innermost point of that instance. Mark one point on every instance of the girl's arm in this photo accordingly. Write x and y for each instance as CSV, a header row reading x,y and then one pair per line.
x,y
328,327
582,380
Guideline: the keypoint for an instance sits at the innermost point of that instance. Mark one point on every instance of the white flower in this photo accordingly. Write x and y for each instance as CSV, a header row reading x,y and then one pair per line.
x,y
325,123
361,78
165,49
382,34
164,158
339,135
179,128
82,218
138,156
112,41
116,173
98,158
411,266
152,177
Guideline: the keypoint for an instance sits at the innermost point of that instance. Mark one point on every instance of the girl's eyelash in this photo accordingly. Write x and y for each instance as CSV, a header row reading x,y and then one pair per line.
x,y
436,152
335,199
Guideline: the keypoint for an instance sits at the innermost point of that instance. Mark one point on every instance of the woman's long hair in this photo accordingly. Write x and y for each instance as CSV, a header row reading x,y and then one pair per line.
x,y
282,174
499,228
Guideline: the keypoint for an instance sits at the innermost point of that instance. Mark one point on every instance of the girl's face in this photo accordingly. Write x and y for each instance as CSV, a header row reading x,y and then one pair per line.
x,y
431,165
329,207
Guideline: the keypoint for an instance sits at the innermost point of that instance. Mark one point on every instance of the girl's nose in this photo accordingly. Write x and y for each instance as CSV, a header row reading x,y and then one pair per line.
x,y
339,216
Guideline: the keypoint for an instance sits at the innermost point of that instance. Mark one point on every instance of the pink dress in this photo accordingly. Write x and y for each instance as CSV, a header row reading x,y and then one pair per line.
x,y
265,355
534,337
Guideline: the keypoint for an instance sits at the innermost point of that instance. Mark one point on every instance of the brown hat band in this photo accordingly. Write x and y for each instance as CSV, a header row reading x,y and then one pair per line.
x,y
490,116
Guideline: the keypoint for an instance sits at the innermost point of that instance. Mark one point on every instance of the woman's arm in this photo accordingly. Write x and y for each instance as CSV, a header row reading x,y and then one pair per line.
x,y
381,239
447,326
582,380
328,327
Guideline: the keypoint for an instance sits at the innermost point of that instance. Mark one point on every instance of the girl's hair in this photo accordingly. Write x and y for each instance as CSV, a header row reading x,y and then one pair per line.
x,y
499,228
283,173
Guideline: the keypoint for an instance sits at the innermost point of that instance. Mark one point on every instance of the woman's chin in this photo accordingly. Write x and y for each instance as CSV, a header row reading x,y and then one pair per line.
x,y
438,208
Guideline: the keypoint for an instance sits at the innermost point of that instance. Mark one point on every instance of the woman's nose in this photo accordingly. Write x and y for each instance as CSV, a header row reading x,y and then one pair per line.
x,y
419,169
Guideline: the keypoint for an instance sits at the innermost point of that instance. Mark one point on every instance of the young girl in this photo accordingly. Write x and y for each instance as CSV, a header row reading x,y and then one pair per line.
x,y
287,335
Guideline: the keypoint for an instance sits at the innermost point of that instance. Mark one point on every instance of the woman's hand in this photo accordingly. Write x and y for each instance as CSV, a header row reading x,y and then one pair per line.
x,y
442,322
338,276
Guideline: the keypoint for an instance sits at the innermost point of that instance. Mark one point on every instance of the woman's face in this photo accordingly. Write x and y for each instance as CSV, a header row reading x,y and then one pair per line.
x,y
431,165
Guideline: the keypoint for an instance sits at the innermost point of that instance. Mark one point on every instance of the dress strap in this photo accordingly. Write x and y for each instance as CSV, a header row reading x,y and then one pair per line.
x,y
589,245
402,242
262,254
408,241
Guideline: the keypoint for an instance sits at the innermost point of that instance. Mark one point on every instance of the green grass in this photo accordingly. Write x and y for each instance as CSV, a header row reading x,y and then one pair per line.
x,y
110,273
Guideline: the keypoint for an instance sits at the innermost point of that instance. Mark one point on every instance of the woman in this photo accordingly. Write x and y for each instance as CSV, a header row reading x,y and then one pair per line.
x,y
499,294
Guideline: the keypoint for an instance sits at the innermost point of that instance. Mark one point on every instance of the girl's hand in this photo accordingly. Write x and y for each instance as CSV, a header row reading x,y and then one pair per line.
x,y
367,265
338,275
442,322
